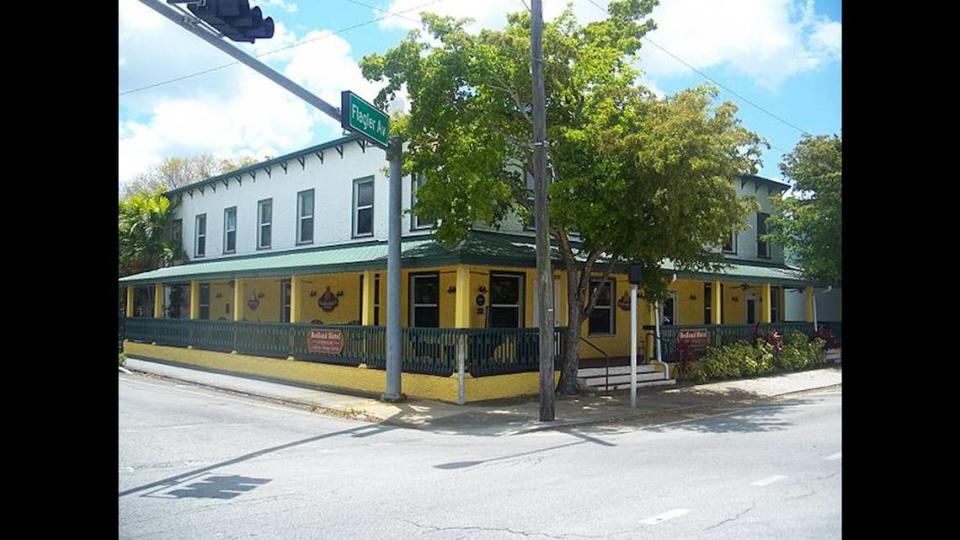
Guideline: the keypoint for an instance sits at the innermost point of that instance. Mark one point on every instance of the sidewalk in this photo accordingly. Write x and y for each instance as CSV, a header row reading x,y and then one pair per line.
x,y
509,417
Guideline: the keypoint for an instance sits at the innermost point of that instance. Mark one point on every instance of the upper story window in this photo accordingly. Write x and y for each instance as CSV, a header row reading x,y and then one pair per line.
x,y
416,222
601,318
230,230
305,217
363,207
730,243
763,248
264,223
200,245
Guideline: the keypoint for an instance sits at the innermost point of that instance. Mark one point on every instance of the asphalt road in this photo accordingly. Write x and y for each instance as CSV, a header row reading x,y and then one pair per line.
x,y
197,463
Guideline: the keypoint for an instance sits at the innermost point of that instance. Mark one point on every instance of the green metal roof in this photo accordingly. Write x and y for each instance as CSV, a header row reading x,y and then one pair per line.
x,y
481,248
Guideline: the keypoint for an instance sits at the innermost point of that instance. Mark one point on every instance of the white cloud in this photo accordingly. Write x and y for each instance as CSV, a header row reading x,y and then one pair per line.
x,y
289,7
229,112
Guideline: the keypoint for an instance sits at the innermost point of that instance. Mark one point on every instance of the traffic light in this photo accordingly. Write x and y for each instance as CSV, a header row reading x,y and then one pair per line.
x,y
234,19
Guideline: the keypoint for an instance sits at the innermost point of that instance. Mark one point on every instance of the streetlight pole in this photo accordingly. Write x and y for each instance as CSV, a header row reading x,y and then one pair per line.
x,y
545,319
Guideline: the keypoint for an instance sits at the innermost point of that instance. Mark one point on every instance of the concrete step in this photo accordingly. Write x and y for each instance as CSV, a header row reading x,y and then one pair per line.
x,y
641,385
616,379
615,370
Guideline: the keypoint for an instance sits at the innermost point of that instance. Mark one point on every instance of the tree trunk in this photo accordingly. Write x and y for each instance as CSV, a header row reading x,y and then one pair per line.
x,y
567,385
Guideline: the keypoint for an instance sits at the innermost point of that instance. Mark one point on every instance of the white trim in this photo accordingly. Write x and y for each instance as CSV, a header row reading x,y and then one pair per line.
x,y
357,208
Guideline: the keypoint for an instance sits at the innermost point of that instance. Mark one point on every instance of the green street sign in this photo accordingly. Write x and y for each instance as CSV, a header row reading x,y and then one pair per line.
x,y
358,116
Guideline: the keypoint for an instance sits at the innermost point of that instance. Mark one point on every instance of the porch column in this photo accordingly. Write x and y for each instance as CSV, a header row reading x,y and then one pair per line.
x,y
765,303
366,310
715,303
237,299
158,300
194,300
462,310
295,299
809,292
649,343
129,309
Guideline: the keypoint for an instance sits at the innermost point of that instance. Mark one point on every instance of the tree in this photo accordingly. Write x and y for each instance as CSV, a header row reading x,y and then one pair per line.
x,y
145,242
809,222
174,172
636,178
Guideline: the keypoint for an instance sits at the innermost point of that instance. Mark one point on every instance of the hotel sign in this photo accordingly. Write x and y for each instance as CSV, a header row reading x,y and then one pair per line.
x,y
358,116
695,339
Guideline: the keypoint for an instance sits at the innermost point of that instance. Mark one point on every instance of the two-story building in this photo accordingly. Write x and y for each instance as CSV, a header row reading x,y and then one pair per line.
x,y
282,250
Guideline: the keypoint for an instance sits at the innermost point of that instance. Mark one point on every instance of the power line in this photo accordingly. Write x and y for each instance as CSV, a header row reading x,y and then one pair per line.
x,y
714,81
299,43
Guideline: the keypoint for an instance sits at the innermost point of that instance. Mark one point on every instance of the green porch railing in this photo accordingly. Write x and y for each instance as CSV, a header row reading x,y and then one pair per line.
x,y
725,334
425,350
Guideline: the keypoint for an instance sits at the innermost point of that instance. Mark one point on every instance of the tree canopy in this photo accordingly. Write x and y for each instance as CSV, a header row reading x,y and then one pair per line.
x,y
632,177
145,242
174,172
809,222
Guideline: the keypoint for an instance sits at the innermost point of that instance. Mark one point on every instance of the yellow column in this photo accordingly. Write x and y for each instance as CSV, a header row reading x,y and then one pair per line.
x,y
237,300
462,310
715,303
130,290
765,303
158,301
367,298
295,299
194,300
809,304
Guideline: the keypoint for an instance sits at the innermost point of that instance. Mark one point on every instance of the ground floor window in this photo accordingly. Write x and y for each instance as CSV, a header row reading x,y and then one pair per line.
x,y
204,301
176,301
774,304
668,314
506,300
707,303
751,309
143,298
602,316
425,300
376,299
285,295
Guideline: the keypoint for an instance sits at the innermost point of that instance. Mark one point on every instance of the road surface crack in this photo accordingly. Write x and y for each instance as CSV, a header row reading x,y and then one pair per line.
x,y
734,518
471,529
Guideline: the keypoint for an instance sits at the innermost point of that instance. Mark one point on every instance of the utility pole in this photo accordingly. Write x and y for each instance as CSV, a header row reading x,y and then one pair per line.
x,y
545,320
212,21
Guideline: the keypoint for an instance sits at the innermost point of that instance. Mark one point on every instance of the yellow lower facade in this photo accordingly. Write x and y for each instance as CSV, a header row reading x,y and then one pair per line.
x,y
355,379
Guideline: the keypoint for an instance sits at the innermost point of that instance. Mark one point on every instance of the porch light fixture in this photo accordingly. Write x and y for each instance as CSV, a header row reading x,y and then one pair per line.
x,y
745,286
693,296
452,289
481,289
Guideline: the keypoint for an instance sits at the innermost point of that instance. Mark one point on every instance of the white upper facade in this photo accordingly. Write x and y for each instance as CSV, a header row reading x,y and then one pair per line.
x,y
340,175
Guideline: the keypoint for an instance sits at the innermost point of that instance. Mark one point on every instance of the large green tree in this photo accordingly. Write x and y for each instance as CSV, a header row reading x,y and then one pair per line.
x,y
174,172
145,241
632,177
809,221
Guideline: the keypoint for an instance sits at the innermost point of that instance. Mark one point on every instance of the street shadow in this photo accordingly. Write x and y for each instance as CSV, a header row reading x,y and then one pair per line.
x,y
584,439
764,417
173,481
217,487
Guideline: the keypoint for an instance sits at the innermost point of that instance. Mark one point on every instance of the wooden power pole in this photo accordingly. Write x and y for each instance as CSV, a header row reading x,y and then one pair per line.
x,y
545,320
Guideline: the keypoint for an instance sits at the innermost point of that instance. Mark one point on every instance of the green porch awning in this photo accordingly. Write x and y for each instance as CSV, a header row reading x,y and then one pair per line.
x,y
480,248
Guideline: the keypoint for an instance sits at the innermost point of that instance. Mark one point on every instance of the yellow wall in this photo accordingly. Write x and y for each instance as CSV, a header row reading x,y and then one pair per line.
x,y
221,301
348,305
267,293
369,381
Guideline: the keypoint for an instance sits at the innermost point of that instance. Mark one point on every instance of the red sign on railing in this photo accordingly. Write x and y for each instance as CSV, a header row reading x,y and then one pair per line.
x,y
694,339
325,341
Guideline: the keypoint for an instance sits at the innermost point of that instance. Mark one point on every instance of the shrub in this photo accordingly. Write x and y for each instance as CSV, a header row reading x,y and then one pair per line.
x,y
830,339
123,359
769,354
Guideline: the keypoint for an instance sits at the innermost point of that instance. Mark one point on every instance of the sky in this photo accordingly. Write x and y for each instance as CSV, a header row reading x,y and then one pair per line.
x,y
777,60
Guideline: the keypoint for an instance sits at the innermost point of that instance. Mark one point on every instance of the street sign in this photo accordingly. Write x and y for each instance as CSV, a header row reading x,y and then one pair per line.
x,y
361,117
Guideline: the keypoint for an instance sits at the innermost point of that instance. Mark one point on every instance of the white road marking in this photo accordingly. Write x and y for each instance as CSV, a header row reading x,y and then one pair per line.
x,y
768,480
677,512
832,457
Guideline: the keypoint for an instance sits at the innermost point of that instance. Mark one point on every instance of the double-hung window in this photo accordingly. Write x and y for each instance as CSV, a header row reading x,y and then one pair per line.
x,y
264,223
763,248
774,304
506,300
363,207
601,318
416,222
425,300
230,230
707,303
204,301
730,243
200,244
305,217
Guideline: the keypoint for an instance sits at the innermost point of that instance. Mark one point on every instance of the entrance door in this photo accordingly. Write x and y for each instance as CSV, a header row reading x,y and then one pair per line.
x,y
668,311
752,304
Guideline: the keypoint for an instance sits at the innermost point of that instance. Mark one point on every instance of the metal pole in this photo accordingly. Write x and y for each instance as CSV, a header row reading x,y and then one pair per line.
x,y
394,156
633,346
545,320
656,322
190,24
814,311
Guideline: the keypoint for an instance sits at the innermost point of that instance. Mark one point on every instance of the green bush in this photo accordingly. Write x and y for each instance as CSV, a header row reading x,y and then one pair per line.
x,y
795,352
123,359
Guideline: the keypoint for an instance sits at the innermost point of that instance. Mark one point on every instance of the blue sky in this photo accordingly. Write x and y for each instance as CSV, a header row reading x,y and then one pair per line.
x,y
782,55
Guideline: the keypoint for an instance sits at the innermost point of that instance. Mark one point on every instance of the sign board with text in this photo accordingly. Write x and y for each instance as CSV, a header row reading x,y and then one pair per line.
x,y
358,116
325,341
695,339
